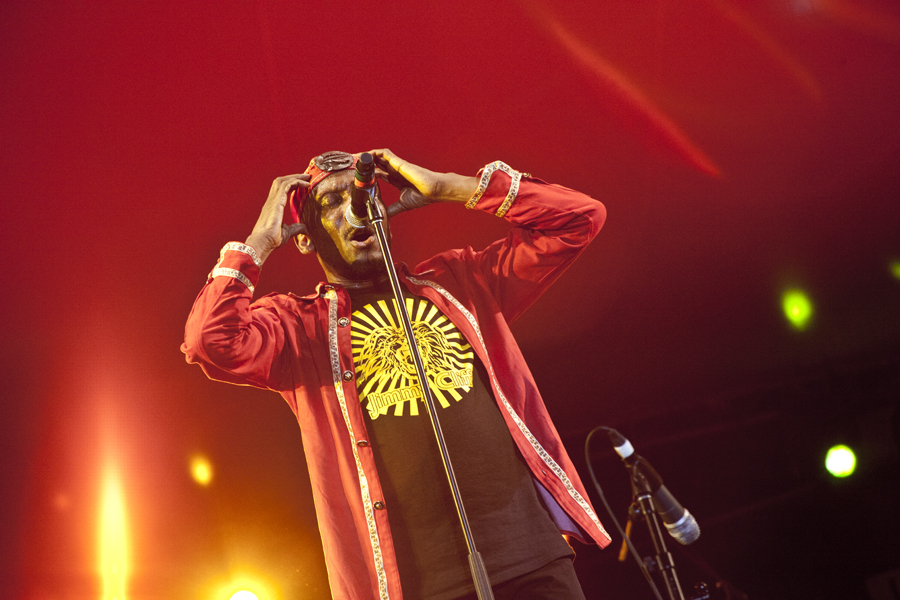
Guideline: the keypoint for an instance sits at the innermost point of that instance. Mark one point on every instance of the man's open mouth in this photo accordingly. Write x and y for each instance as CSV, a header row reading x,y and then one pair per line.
x,y
362,237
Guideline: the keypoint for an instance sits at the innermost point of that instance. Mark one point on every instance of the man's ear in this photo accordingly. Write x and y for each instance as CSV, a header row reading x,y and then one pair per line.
x,y
304,242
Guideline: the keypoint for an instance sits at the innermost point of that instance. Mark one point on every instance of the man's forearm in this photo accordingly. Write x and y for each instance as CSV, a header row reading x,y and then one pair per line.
x,y
456,188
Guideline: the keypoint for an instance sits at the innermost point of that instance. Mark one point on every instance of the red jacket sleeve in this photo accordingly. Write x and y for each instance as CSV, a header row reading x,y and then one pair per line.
x,y
553,226
230,339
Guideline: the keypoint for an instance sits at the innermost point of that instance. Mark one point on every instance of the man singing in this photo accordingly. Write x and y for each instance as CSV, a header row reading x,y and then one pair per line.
x,y
340,359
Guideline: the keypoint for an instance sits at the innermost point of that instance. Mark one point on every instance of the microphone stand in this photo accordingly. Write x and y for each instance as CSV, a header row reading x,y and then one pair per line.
x,y
476,564
643,493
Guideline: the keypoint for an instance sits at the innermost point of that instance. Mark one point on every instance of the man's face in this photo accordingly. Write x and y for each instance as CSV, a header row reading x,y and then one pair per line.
x,y
343,250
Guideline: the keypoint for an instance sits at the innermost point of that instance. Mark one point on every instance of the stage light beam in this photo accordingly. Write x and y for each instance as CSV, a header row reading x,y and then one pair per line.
x,y
612,78
244,595
797,308
878,24
770,46
113,539
840,461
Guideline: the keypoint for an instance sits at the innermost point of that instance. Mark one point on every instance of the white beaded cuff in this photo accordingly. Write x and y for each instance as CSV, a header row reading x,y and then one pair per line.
x,y
485,180
223,272
239,247
513,191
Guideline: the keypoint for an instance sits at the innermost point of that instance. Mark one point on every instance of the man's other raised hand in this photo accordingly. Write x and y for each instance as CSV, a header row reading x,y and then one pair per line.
x,y
419,186
270,231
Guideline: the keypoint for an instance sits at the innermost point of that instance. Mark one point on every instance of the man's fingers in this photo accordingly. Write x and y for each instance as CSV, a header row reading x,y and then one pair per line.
x,y
410,198
383,154
391,178
387,160
295,181
289,180
288,231
383,175
395,209
413,198
282,187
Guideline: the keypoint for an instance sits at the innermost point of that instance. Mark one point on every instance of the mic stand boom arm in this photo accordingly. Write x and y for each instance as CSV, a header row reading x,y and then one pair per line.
x,y
476,564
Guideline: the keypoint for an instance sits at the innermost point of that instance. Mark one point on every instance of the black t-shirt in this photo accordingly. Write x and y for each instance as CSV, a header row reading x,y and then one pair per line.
x,y
510,526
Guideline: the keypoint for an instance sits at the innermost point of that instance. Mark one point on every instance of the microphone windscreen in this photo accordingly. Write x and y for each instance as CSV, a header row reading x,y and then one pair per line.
x,y
621,445
365,168
685,530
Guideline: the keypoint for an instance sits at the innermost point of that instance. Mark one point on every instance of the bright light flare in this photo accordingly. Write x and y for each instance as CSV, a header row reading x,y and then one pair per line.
x,y
239,585
113,539
797,308
840,461
201,470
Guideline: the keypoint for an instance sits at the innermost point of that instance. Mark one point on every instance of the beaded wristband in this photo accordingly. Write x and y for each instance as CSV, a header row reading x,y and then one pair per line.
x,y
239,247
485,180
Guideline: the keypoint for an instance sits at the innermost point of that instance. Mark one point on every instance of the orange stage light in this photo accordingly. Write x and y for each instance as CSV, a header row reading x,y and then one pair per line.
x,y
201,470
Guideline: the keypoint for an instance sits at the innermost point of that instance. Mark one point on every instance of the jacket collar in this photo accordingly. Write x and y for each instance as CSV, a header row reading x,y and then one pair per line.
x,y
324,286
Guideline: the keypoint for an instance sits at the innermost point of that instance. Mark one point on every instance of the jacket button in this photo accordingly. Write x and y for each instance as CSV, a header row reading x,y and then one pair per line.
x,y
379,505
343,321
362,443
348,375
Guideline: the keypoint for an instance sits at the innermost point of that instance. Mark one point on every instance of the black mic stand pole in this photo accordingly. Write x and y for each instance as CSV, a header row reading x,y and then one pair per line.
x,y
643,493
476,564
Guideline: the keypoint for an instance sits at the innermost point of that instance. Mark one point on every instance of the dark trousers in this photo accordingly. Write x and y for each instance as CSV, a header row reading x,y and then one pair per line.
x,y
554,581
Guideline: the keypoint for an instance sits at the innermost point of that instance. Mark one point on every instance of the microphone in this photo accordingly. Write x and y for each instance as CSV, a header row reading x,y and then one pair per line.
x,y
363,188
678,521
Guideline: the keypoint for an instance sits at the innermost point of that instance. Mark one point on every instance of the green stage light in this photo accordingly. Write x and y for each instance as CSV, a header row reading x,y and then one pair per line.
x,y
797,308
895,269
840,461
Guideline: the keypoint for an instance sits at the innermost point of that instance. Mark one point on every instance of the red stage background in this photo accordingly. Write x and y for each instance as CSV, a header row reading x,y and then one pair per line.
x,y
741,148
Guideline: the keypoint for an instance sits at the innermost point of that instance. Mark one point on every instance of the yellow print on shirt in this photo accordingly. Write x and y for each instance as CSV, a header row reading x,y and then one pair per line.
x,y
385,373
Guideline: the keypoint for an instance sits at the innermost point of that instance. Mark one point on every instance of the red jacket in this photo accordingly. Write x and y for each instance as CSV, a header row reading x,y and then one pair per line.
x,y
300,347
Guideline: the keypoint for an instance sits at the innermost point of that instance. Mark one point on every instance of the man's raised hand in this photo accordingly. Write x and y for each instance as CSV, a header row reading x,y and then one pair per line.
x,y
419,186
270,231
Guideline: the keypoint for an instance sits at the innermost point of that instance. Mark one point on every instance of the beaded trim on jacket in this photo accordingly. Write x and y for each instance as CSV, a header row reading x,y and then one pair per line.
x,y
332,298
538,448
234,273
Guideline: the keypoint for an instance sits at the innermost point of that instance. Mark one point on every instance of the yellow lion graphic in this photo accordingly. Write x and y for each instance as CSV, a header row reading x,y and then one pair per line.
x,y
385,354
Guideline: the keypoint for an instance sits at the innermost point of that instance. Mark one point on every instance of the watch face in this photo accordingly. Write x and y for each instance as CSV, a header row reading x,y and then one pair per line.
x,y
334,161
